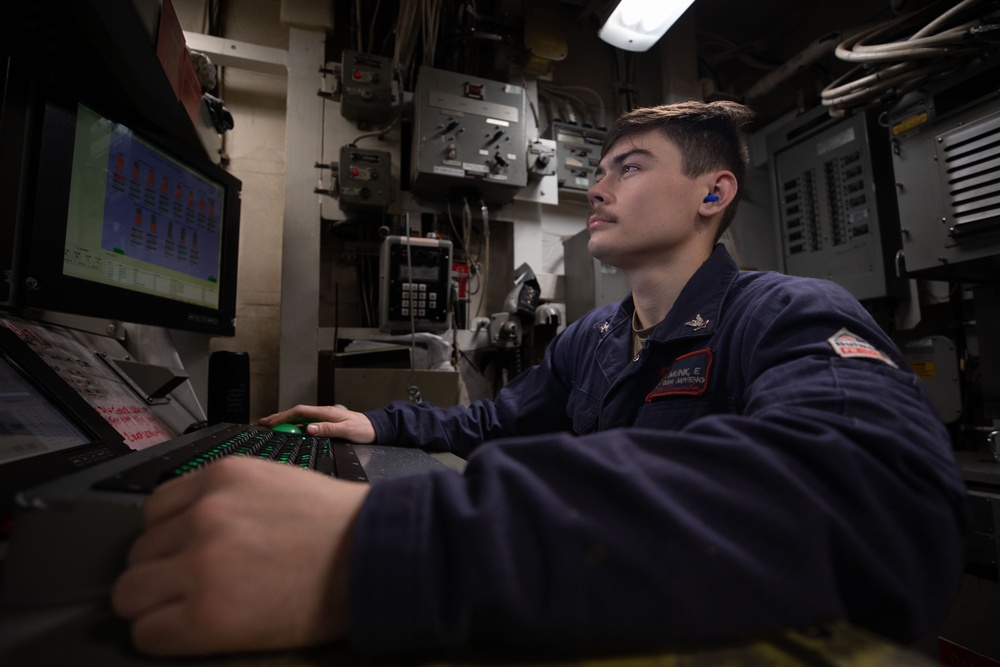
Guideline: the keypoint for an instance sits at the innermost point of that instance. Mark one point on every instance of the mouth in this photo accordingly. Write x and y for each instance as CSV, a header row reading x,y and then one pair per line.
x,y
598,217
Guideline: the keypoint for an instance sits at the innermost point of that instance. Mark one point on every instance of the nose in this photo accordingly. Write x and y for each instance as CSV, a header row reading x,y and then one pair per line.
x,y
597,193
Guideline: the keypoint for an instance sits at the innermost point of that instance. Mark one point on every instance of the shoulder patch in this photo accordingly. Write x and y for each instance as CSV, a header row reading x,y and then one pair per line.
x,y
846,344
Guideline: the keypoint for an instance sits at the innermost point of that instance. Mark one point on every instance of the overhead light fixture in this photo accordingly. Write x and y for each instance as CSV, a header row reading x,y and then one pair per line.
x,y
635,25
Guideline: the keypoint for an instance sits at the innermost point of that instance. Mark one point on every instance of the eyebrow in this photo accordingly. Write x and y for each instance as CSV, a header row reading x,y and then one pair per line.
x,y
622,158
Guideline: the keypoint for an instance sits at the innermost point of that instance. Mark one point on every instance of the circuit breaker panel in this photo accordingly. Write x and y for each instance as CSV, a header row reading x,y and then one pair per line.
x,y
469,134
946,159
415,284
578,152
836,204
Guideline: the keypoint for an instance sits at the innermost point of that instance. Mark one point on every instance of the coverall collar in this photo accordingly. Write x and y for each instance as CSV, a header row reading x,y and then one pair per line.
x,y
698,307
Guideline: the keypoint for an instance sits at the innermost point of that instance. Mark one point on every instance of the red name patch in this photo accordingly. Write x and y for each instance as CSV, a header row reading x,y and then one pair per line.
x,y
687,376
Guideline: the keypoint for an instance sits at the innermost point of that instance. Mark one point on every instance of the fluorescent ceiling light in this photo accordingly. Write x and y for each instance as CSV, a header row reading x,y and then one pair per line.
x,y
635,25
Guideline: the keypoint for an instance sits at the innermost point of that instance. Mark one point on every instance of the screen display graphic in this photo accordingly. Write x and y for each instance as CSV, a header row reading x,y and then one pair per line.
x,y
29,424
139,219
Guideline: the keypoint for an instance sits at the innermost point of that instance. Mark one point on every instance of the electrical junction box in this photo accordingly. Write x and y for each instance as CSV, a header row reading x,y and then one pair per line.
x,y
946,141
578,152
415,284
364,178
366,94
836,202
469,134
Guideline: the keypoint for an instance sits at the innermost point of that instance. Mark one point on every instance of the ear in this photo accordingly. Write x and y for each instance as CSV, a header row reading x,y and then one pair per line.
x,y
720,192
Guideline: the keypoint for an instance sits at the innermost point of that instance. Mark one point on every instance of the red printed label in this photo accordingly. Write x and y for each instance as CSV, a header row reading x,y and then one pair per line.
x,y
847,344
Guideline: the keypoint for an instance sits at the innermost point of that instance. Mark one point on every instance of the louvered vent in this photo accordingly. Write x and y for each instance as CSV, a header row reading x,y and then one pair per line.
x,y
972,156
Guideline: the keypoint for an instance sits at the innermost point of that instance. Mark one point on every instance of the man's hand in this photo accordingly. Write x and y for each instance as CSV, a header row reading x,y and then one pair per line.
x,y
327,421
243,555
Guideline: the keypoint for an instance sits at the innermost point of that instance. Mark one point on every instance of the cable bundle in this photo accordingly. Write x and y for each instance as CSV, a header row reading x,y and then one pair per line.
x,y
888,69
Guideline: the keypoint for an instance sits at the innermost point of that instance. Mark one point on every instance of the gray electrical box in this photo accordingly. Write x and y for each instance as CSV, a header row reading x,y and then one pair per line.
x,y
589,282
468,134
935,361
366,88
578,152
946,160
833,190
364,178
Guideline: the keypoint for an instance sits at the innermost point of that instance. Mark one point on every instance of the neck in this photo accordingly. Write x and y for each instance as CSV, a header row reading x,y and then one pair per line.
x,y
656,288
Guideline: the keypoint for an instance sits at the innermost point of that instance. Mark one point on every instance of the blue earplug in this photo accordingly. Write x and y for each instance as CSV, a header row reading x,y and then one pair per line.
x,y
711,198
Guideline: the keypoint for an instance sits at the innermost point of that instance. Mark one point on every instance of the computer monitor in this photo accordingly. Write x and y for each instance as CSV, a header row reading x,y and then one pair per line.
x,y
124,223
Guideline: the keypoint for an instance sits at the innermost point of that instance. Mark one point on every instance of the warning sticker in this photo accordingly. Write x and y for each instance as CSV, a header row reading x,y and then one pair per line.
x,y
908,124
847,344
687,376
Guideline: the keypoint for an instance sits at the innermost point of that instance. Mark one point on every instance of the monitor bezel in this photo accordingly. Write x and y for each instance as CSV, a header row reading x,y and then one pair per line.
x,y
23,473
44,286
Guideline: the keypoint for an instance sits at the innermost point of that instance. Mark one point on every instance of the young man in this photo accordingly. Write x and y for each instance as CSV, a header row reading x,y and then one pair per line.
x,y
721,454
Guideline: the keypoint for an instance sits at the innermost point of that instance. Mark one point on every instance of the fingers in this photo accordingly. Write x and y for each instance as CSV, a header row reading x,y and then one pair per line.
x,y
327,429
161,540
173,612
143,588
172,497
163,630
327,421
243,555
179,514
352,426
299,414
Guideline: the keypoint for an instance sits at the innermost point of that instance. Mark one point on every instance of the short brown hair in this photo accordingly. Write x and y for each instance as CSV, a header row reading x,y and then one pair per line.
x,y
709,135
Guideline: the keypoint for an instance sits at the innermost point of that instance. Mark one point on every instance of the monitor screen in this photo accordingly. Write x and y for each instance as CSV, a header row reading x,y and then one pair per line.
x,y
140,219
126,225
46,428
29,424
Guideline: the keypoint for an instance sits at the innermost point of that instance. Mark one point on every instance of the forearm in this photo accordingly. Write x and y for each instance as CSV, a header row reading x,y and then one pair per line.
x,y
630,538
535,402
456,429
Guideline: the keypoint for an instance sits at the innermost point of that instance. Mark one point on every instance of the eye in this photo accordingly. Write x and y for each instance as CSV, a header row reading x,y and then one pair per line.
x,y
630,167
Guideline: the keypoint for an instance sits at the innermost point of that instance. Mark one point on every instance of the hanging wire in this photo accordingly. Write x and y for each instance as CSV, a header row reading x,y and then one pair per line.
x,y
358,30
371,26
380,133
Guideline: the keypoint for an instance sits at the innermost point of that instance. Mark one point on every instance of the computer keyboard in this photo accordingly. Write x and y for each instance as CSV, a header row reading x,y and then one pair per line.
x,y
335,458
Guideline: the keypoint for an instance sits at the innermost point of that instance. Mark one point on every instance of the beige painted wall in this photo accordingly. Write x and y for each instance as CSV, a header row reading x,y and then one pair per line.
x,y
255,149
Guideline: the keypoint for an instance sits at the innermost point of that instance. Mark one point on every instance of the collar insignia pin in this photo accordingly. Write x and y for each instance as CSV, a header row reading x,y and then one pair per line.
x,y
603,329
698,323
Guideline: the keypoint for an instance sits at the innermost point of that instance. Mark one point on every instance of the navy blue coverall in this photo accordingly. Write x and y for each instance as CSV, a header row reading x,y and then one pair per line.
x,y
767,460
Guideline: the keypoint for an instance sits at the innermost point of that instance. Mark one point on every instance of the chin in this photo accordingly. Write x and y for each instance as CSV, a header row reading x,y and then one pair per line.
x,y
601,253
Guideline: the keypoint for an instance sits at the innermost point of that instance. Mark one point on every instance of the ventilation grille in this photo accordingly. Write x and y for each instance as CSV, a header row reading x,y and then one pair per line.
x,y
972,167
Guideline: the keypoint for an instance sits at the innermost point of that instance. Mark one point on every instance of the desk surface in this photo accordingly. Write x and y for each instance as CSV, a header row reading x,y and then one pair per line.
x,y
93,636
979,467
